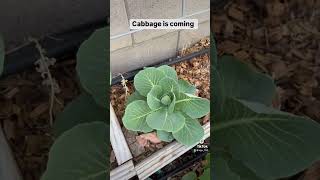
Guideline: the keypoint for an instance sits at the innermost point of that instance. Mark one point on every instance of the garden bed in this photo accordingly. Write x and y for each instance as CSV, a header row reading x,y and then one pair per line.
x,y
197,72
24,115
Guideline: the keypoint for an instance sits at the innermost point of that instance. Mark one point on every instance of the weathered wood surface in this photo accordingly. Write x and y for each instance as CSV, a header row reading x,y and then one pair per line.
x,y
8,167
164,156
150,165
118,141
123,172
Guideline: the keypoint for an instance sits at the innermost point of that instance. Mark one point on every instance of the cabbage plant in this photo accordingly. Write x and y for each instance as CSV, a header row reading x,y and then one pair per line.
x,y
166,104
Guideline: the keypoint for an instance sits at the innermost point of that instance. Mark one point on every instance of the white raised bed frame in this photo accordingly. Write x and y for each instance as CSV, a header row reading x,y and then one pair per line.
x,y
148,166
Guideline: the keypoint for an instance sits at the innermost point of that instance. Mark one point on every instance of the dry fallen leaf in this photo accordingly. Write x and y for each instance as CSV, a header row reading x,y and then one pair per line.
x,y
129,135
144,139
236,14
313,173
136,149
206,119
279,69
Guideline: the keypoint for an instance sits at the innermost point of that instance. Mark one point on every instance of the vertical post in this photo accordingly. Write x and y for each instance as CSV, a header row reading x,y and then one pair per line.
x,y
8,167
118,141
183,8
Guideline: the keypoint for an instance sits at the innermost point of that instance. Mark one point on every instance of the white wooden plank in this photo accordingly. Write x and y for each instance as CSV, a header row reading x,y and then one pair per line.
x,y
123,172
164,156
118,141
8,167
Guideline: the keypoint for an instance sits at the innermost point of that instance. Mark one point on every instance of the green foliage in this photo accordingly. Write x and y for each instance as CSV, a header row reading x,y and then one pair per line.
x,y
82,145
136,112
204,176
92,60
2,54
223,171
165,136
241,82
190,133
263,143
185,87
213,51
135,96
190,176
164,103
79,153
83,109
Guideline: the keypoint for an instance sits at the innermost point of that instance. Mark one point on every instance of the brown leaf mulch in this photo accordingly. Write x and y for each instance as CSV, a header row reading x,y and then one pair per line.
x,y
24,114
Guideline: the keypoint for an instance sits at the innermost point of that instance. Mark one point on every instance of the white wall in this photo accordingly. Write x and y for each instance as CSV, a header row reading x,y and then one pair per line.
x,y
146,47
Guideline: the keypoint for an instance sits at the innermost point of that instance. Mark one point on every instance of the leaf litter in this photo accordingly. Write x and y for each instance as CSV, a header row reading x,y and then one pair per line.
x,y
25,111
196,72
280,38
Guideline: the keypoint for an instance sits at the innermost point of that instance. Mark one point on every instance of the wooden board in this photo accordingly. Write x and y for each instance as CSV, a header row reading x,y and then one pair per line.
x,y
150,165
118,141
8,167
123,172
164,156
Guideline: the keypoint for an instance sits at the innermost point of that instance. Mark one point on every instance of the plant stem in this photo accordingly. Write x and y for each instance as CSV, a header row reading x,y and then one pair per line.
x,y
43,60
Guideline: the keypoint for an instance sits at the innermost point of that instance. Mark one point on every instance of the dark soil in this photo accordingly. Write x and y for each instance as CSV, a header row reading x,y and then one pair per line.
x,y
196,166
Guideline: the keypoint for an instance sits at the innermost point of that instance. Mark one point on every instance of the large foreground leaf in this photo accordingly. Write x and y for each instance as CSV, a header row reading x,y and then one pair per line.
x,y
272,144
135,116
237,80
2,53
80,153
92,66
190,176
81,110
205,175
222,170
236,166
191,133
213,50
242,171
